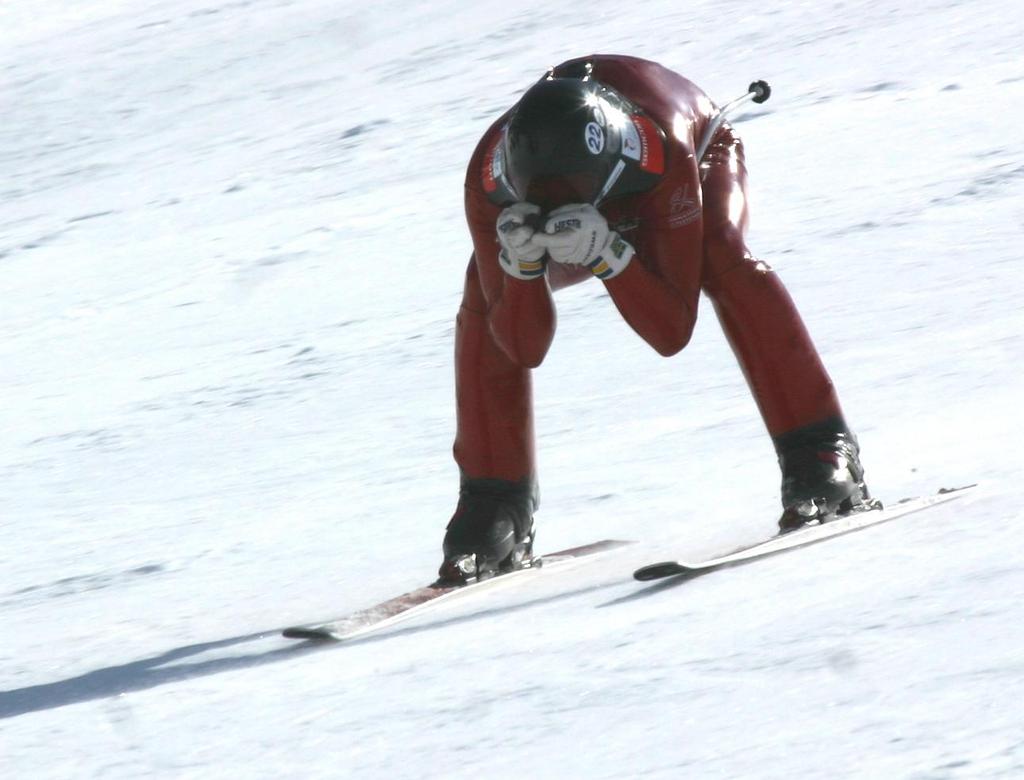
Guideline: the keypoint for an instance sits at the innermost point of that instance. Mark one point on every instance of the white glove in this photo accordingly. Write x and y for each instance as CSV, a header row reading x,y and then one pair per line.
x,y
577,234
520,255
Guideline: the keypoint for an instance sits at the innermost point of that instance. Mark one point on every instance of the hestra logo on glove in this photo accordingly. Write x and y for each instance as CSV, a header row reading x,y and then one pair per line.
x,y
570,223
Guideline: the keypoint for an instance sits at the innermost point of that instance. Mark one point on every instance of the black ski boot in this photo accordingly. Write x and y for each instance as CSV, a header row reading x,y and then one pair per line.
x,y
821,474
491,531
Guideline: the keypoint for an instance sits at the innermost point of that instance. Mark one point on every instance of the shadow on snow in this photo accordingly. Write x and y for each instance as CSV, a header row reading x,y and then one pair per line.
x,y
163,669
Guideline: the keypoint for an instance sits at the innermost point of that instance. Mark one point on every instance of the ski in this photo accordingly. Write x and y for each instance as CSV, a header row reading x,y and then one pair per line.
x,y
803,537
415,602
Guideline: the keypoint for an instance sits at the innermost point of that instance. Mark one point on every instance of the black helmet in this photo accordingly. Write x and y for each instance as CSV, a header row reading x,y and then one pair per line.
x,y
563,142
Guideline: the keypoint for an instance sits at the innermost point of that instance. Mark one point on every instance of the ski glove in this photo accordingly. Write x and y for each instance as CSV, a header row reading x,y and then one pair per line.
x,y
520,255
577,234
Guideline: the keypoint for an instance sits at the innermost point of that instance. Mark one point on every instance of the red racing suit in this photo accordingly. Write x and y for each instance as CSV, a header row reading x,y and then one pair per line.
x,y
688,231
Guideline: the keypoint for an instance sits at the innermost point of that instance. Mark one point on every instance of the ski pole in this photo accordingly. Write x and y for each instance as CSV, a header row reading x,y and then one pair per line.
x,y
758,91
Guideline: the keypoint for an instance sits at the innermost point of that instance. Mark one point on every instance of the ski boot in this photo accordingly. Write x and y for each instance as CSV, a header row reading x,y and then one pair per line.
x,y
822,477
491,531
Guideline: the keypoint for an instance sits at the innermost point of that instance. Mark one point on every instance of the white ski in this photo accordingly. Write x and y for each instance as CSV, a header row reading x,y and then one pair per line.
x,y
802,537
415,602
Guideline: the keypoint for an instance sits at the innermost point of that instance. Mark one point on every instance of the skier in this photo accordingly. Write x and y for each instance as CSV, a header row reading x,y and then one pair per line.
x,y
593,174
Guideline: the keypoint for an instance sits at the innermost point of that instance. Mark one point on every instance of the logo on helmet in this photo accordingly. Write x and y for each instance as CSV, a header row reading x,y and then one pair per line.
x,y
594,136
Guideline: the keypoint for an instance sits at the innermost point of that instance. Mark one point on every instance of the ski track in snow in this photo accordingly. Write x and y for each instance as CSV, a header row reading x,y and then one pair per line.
x,y
231,251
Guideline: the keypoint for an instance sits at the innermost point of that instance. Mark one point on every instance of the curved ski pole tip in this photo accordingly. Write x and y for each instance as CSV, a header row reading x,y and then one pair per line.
x,y
761,90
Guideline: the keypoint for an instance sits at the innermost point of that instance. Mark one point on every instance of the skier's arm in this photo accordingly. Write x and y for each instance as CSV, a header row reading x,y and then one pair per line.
x,y
520,312
523,320
654,284
661,311
658,292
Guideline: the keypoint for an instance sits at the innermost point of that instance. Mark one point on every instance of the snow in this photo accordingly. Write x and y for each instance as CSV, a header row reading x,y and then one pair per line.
x,y
231,251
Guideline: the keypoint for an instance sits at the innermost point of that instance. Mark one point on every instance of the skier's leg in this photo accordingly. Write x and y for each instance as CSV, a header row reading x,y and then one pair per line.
x,y
817,451
494,447
494,437
764,328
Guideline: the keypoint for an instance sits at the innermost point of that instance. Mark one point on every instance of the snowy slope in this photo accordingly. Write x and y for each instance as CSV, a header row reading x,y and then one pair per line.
x,y
231,250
